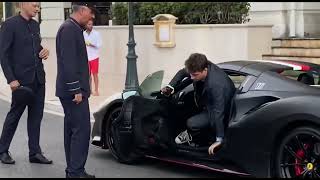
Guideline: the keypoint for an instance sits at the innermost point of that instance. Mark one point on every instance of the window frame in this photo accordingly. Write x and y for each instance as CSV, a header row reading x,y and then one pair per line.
x,y
243,86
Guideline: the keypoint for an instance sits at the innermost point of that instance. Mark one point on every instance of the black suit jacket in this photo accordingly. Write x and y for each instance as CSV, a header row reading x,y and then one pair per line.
x,y
72,59
215,94
20,44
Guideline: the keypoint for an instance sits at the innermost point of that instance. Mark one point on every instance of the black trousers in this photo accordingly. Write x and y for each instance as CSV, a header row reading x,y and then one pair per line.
x,y
199,126
35,114
77,129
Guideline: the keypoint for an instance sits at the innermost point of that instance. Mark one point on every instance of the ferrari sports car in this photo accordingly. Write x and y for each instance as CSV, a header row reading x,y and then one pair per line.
x,y
272,130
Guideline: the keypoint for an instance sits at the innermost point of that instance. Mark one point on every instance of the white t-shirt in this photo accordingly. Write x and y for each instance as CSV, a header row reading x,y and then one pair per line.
x,y
95,39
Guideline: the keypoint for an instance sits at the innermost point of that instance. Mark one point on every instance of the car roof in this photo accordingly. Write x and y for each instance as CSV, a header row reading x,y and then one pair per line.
x,y
256,67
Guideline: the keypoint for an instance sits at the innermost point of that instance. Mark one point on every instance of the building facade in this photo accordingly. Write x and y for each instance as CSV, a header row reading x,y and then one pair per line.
x,y
52,14
289,19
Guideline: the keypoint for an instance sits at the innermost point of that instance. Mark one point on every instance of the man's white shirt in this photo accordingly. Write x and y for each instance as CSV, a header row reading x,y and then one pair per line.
x,y
95,39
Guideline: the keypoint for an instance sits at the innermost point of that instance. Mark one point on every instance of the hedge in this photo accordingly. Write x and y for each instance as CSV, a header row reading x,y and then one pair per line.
x,y
186,12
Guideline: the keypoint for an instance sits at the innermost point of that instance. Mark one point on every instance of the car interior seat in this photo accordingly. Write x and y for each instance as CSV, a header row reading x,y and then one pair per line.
x,y
306,78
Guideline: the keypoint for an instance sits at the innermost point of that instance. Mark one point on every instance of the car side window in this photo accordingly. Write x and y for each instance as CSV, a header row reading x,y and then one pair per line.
x,y
241,81
236,78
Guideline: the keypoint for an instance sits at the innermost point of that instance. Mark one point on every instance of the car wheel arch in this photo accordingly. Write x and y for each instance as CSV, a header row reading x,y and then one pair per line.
x,y
112,107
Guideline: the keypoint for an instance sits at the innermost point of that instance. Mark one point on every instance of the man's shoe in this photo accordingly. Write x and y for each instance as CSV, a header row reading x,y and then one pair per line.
x,y
67,175
183,137
86,175
39,158
6,158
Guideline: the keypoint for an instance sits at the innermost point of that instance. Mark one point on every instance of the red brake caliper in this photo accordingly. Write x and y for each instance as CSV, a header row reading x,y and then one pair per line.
x,y
297,167
300,153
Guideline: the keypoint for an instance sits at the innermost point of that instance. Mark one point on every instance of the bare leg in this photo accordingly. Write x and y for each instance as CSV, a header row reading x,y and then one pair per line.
x,y
90,80
96,84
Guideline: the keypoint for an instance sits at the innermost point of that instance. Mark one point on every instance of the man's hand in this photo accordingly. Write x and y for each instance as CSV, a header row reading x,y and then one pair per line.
x,y
14,85
44,54
77,98
214,147
166,91
89,44
93,46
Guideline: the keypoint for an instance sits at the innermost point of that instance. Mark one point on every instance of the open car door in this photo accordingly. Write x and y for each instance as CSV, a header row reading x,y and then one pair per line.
x,y
140,121
140,127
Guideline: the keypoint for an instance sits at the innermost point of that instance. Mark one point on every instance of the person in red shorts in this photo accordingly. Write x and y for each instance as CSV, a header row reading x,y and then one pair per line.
x,y
93,43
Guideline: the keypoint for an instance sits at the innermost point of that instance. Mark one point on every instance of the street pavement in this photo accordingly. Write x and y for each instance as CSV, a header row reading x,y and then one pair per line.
x,y
100,162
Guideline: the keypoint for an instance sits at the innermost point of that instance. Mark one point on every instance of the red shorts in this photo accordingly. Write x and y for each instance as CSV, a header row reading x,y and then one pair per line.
x,y
94,66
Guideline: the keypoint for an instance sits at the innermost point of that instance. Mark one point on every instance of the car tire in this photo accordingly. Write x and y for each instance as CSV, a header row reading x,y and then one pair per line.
x,y
108,140
131,158
295,156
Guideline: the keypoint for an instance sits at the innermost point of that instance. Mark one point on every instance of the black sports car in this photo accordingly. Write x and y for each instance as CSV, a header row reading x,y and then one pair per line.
x,y
273,128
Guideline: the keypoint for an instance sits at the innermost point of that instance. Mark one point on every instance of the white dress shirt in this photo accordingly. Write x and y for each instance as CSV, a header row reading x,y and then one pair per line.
x,y
95,39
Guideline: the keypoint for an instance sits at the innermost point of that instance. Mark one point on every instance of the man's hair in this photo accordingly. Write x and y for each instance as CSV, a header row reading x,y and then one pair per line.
x,y
20,4
196,63
76,8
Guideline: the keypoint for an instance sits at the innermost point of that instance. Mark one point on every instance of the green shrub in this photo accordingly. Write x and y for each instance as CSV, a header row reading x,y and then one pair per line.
x,y
186,12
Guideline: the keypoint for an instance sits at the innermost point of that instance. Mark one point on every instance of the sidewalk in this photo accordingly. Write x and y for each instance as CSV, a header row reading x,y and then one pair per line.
x,y
54,105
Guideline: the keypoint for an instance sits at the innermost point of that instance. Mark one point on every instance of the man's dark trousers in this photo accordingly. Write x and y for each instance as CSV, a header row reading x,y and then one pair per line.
x,y
77,129
35,114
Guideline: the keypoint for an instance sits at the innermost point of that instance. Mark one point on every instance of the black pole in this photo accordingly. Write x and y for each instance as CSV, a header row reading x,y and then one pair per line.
x,y
132,83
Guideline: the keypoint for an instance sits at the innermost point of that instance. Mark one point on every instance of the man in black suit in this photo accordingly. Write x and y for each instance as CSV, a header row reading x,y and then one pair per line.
x,y
73,89
21,57
214,91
